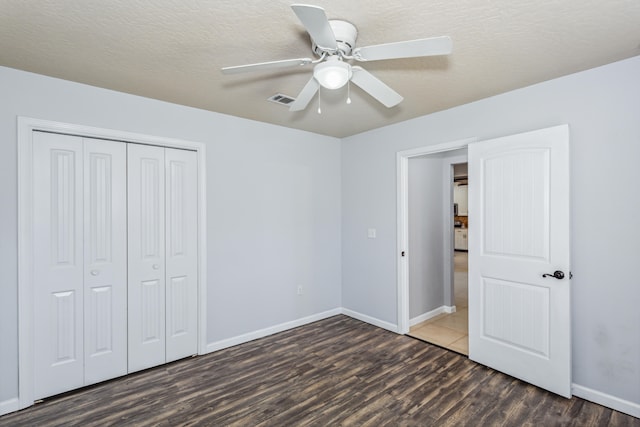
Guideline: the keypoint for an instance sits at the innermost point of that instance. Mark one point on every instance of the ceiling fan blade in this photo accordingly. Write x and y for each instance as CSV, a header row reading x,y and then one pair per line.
x,y
374,87
305,96
407,49
266,65
315,21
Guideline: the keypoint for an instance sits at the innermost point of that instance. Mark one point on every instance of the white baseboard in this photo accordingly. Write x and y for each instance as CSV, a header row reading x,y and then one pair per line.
x,y
261,333
620,405
431,314
371,320
10,405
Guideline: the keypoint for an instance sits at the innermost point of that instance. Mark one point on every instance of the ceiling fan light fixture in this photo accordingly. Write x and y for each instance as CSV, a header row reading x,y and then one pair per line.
x,y
332,74
334,41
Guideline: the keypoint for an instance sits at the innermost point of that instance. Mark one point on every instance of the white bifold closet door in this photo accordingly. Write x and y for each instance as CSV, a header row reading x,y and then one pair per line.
x,y
80,265
162,190
115,277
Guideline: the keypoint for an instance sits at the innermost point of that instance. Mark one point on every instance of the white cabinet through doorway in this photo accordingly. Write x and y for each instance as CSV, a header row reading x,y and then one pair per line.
x,y
115,259
461,241
460,197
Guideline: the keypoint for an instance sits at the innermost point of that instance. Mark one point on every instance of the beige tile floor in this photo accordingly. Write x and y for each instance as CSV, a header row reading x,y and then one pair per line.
x,y
450,330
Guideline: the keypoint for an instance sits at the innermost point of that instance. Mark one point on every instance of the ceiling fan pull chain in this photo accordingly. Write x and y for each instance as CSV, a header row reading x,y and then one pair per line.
x,y
319,92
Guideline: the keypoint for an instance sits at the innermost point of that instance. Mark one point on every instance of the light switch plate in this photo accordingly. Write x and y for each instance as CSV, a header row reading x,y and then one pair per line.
x,y
371,233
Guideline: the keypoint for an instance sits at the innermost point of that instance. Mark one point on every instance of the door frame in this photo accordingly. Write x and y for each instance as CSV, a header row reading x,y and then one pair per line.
x,y
402,180
26,126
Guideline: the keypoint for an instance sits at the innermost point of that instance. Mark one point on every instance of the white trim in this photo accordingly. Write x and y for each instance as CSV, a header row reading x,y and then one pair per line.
x,y
402,170
261,333
448,242
620,405
402,239
370,320
9,405
26,127
25,251
431,314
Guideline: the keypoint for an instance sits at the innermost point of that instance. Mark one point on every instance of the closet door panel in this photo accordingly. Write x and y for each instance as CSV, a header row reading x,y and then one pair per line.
x,y
58,263
146,255
181,253
105,255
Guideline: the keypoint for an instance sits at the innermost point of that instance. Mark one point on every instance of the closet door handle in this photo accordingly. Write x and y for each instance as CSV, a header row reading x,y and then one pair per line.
x,y
155,266
95,272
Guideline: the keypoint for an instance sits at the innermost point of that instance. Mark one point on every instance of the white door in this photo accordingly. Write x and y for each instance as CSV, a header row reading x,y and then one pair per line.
x,y
146,190
79,262
519,321
163,248
105,260
181,251
58,264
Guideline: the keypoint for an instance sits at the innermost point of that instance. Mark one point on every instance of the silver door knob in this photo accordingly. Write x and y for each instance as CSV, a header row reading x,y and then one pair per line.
x,y
95,272
155,266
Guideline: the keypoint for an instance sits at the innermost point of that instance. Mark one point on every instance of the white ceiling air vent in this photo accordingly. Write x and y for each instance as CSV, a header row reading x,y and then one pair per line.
x,y
281,99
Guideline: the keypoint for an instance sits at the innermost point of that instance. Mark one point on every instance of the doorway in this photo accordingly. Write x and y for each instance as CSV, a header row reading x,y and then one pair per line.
x,y
445,221
438,261
519,306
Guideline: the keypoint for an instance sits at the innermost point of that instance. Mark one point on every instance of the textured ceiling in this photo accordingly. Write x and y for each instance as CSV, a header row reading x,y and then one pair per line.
x,y
173,50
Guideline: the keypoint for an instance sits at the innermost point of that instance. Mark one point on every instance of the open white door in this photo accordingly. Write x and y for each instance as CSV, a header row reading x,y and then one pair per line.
x,y
519,312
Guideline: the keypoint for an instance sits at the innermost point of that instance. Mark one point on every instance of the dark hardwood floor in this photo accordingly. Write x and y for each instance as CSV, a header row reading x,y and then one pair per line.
x,y
337,371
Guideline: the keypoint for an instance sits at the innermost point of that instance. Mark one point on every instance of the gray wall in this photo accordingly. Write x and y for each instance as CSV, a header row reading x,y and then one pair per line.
x,y
602,107
273,200
450,159
426,228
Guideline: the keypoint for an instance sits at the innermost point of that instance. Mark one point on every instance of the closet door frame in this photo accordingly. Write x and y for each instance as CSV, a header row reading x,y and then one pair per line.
x,y
26,126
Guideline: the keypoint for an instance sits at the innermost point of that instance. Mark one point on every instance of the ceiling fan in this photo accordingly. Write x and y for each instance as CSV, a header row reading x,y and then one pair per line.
x,y
333,41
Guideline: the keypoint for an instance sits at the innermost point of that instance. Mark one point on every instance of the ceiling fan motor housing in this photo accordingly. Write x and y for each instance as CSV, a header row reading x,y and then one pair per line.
x,y
346,34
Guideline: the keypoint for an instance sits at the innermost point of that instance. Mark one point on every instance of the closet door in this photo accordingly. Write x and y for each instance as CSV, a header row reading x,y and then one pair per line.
x,y
105,260
115,259
146,255
58,264
80,262
181,253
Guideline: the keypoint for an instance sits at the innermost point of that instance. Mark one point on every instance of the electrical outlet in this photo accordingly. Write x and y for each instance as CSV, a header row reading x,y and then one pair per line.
x,y
299,290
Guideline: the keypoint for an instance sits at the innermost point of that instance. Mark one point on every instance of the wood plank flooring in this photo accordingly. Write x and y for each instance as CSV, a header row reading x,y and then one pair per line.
x,y
335,372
